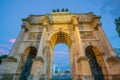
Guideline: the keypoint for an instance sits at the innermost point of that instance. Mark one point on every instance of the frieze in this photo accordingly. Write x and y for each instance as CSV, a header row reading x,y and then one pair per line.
x,y
87,35
36,19
61,18
85,18
34,36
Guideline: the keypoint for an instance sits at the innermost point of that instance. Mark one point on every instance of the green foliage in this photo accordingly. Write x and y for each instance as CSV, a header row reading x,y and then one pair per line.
x,y
67,10
58,10
54,10
2,57
117,23
62,10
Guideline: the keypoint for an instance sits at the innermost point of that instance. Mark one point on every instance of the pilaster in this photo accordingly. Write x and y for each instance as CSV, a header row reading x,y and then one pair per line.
x,y
77,36
84,67
17,42
36,71
47,60
45,24
42,42
73,55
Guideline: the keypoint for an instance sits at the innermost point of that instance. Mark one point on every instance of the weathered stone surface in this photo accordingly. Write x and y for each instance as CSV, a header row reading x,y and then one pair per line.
x,y
81,32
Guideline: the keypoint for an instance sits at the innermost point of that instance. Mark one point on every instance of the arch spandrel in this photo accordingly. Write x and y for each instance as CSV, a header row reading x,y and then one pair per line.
x,y
60,37
95,45
94,48
27,45
26,48
57,31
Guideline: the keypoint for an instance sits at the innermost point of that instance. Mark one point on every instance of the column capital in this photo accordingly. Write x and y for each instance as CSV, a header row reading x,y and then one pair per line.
x,y
74,20
45,20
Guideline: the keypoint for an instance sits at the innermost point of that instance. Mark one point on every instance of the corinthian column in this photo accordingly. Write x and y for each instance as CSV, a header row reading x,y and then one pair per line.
x,y
81,62
77,36
41,45
44,34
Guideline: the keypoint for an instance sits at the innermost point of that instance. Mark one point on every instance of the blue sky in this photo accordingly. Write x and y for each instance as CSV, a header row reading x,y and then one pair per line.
x,y
12,11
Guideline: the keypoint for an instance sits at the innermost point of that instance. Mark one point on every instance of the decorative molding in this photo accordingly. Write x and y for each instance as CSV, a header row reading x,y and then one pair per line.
x,y
34,36
25,27
10,59
113,59
85,18
82,58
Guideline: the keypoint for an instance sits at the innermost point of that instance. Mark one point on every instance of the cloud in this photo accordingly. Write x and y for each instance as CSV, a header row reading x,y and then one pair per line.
x,y
111,7
3,51
12,40
5,46
61,53
61,57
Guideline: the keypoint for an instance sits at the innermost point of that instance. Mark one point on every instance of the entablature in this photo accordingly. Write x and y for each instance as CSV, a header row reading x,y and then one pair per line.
x,y
60,18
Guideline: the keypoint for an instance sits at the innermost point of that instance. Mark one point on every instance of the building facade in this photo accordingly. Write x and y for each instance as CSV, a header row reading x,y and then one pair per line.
x,y
91,55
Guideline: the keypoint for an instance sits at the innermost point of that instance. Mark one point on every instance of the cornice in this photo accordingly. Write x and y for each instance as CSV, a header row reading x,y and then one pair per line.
x,y
113,59
10,59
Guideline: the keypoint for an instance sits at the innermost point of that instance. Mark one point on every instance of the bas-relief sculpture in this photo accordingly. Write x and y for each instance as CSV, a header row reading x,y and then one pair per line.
x,y
91,55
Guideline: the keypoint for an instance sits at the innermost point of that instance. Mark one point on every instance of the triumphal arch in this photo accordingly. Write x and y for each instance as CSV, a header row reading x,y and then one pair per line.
x,y
91,55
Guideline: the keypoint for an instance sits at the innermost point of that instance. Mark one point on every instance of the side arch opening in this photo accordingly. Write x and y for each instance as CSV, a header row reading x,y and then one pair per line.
x,y
26,62
95,66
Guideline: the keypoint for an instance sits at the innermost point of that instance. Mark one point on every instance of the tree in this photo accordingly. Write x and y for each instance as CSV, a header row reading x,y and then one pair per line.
x,y
58,10
2,57
67,10
117,23
63,10
54,10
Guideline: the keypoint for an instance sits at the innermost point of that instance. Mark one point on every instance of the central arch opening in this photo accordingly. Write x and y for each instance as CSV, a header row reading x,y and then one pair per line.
x,y
60,44
61,61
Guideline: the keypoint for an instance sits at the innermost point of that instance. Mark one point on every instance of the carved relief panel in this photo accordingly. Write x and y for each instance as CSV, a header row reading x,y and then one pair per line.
x,y
34,36
85,18
87,35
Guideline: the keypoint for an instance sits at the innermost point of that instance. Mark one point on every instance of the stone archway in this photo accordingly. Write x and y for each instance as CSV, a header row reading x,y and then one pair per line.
x,y
97,65
25,65
59,37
